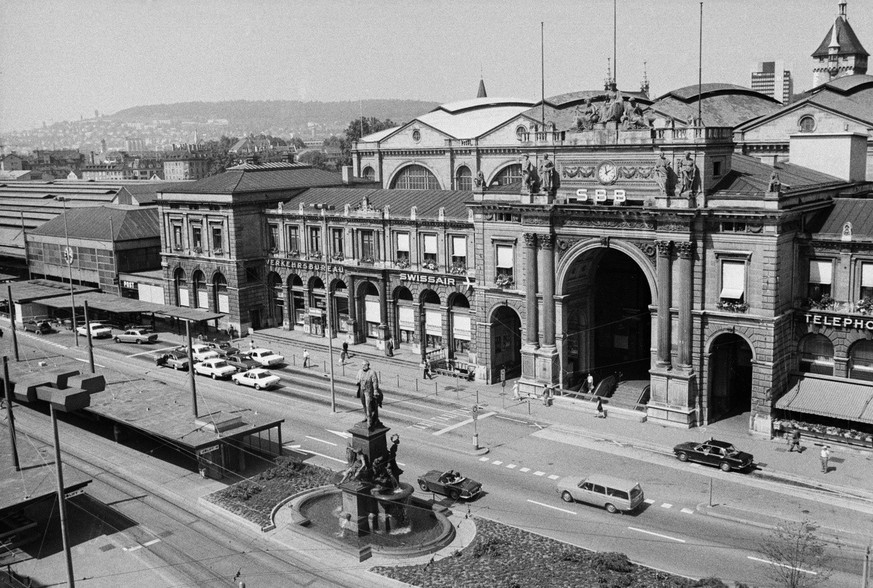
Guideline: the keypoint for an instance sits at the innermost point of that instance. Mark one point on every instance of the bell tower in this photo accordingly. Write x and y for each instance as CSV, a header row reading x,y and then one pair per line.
x,y
840,52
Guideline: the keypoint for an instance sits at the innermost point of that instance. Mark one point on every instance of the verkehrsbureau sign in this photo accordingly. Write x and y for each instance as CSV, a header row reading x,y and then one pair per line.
x,y
839,321
295,264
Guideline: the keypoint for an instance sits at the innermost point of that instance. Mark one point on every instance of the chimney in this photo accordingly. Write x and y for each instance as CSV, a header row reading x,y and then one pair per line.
x,y
769,159
347,174
91,158
841,154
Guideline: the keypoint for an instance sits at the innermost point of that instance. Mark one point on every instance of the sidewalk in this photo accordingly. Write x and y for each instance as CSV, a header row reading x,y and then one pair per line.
x,y
850,473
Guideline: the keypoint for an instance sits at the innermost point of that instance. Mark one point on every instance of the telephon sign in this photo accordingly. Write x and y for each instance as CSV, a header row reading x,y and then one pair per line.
x,y
839,322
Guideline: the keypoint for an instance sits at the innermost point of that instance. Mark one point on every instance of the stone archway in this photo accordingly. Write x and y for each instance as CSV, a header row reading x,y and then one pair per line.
x,y
505,342
731,361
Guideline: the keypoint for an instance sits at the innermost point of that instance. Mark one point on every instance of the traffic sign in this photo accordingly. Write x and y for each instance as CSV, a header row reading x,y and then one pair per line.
x,y
68,255
503,374
475,412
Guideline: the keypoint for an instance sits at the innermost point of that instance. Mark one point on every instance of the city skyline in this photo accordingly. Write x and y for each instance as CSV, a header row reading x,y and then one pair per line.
x,y
60,63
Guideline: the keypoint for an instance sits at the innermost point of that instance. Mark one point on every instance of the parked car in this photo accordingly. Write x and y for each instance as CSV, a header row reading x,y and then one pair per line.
x,y
241,361
38,327
215,368
266,358
450,483
613,494
258,378
202,352
138,336
178,360
715,453
98,330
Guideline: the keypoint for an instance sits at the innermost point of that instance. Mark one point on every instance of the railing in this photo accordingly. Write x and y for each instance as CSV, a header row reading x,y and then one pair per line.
x,y
692,133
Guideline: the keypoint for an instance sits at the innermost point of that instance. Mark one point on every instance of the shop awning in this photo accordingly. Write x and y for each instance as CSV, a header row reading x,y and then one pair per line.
x,y
839,399
117,304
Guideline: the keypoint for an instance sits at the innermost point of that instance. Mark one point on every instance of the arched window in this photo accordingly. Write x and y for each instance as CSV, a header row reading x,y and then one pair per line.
x,y
861,360
806,124
200,297
219,293
277,299
417,177
817,355
508,175
464,178
180,282
369,173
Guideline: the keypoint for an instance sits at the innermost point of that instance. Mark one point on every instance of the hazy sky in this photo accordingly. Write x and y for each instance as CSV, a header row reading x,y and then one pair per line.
x,y
63,59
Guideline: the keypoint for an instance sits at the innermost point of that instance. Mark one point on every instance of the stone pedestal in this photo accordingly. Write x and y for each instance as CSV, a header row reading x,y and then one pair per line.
x,y
392,516
358,503
673,398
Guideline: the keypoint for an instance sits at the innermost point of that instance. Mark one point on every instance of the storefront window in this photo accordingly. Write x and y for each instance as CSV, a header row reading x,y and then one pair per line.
x,y
459,253
368,248
429,243
401,251
867,280
315,241
817,355
337,243
861,361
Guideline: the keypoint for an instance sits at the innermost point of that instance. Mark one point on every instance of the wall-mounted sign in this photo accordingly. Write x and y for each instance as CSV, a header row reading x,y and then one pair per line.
x,y
839,321
294,264
127,284
209,449
428,279
600,195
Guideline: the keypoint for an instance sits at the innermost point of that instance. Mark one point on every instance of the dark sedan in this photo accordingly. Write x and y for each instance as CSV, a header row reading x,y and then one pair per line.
x,y
715,453
241,361
38,327
450,483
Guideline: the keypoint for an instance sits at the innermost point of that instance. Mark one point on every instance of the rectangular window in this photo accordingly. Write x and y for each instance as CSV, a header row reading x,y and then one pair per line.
x,y
505,257
867,280
733,280
368,246
429,244
716,168
177,236
401,252
459,252
337,243
273,237
314,241
217,240
293,243
820,278
253,275
196,237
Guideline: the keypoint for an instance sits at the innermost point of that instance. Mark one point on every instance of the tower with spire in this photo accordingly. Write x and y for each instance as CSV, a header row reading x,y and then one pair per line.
x,y
840,53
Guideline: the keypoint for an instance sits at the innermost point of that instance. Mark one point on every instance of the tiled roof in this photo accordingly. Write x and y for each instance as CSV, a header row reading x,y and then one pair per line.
x,y
378,135
717,110
127,223
261,178
749,175
847,84
857,210
845,37
428,202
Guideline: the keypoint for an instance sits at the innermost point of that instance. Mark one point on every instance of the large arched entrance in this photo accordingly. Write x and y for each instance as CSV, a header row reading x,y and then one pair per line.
x,y
276,298
404,315
317,306
370,312
505,342
730,377
606,317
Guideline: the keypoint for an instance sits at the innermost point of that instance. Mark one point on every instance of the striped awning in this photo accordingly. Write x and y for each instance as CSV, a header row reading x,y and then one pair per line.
x,y
831,398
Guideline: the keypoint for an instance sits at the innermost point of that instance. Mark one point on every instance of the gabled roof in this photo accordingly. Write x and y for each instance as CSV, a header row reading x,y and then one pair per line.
x,y
845,38
721,105
749,175
859,211
470,119
428,202
260,178
104,223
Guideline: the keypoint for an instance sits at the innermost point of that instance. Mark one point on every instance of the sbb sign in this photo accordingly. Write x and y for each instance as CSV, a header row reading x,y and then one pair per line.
x,y
600,195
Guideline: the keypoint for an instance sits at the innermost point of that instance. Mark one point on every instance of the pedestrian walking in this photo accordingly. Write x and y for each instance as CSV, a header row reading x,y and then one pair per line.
x,y
589,384
343,356
825,456
346,348
601,414
548,392
515,392
425,369
794,441
389,347
305,358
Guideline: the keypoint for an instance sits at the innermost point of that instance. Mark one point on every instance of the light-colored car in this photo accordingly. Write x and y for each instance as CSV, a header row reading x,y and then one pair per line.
x,y
98,330
202,352
136,336
266,357
215,368
258,378
178,360
613,494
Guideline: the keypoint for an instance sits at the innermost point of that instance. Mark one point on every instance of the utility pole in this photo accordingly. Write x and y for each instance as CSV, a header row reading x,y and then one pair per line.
x,y
191,368
7,387
329,309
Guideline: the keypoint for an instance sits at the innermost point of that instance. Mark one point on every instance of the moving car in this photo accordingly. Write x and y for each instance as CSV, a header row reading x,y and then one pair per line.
x,y
98,330
178,360
613,494
258,378
137,336
38,327
214,367
265,357
715,453
449,483
241,361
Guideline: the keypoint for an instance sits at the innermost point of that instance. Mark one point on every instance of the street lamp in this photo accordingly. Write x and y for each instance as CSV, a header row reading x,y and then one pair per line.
x,y
68,257
324,241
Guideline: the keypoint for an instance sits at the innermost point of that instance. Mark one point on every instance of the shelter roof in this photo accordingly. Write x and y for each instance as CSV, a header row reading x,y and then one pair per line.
x,y
427,202
118,304
38,290
471,122
104,223
749,175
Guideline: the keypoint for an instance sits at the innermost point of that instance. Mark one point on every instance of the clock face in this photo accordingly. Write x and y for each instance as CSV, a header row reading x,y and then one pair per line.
x,y
607,172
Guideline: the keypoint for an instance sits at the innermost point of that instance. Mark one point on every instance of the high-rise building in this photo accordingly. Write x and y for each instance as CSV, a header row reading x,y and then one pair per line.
x,y
840,53
771,78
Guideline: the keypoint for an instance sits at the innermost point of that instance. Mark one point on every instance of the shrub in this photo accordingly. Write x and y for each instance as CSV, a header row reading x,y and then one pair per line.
x,y
243,491
611,562
493,547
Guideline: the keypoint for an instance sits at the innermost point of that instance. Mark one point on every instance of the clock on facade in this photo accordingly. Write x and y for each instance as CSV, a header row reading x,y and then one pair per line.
x,y
607,172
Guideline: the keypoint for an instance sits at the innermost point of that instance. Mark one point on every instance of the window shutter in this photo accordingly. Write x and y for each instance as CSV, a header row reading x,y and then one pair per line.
x,y
459,246
820,271
733,279
504,256
430,244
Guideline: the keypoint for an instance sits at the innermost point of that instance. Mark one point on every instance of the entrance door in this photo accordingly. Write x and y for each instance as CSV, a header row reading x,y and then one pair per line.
x,y
730,377
255,317
506,342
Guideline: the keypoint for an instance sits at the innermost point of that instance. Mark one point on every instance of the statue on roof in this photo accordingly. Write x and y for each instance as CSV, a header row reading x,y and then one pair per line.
x,y
479,180
587,116
774,185
529,177
613,108
632,117
687,173
547,174
662,175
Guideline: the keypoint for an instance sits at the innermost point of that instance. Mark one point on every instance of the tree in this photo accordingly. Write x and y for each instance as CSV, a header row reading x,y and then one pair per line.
x,y
795,555
361,127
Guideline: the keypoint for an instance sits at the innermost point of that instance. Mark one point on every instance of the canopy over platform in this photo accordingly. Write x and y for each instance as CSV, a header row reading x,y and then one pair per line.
x,y
117,304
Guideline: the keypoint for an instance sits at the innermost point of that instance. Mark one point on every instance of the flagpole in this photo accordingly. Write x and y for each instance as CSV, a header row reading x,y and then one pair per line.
x,y
543,72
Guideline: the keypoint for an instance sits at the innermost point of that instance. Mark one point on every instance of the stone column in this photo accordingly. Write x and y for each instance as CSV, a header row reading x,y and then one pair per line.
x,y
547,265
353,310
664,296
686,284
530,289
384,332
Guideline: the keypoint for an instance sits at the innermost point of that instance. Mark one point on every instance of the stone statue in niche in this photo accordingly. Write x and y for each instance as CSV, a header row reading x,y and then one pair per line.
x,y
774,185
479,180
687,173
547,174
662,175
529,177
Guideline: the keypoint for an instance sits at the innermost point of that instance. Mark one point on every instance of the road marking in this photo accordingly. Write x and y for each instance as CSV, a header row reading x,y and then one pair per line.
x,y
657,535
134,548
343,434
781,565
649,501
509,419
462,423
496,462
323,455
550,506
152,542
421,426
320,440
525,470
687,511
666,505
149,352
86,361
289,446
511,466
484,458
539,473
554,477
440,418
